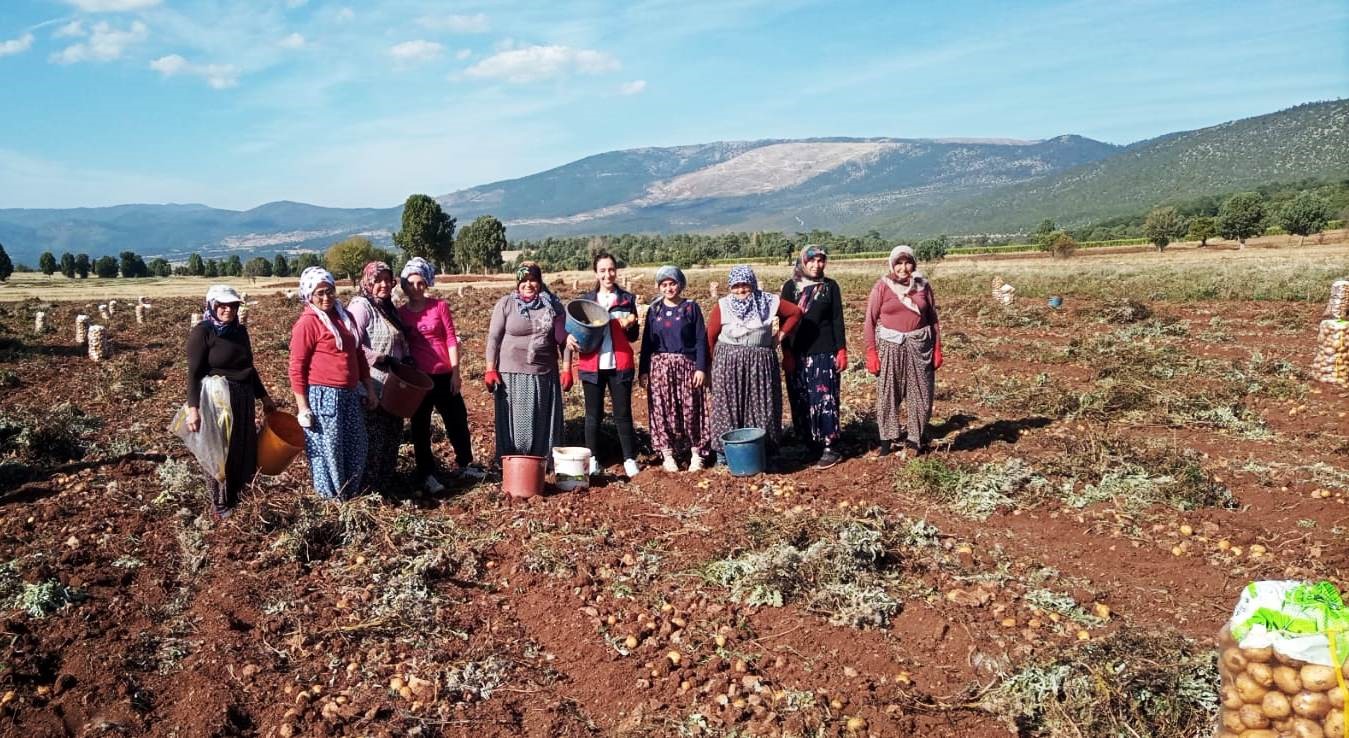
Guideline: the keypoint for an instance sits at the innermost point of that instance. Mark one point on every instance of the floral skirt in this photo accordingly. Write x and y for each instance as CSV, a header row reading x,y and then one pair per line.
x,y
813,390
746,391
678,412
336,442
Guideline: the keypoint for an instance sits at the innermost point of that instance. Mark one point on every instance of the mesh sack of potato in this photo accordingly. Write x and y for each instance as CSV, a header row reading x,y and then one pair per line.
x,y
1338,307
1331,363
1282,659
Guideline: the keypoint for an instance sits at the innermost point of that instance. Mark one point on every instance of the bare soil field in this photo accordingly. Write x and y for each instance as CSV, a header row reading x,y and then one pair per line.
x,y
1105,478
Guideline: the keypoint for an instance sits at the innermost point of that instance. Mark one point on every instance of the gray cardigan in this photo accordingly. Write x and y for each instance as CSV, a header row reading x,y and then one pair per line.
x,y
520,345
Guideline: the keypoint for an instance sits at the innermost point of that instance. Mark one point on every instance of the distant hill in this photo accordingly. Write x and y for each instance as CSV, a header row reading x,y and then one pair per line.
x,y
898,186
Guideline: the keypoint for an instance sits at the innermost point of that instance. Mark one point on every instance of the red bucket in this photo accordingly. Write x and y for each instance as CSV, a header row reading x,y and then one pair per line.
x,y
404,388
522,476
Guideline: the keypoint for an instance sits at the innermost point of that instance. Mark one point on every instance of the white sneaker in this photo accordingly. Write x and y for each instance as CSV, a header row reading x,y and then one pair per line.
x,y
630,468
670,465
696,464
433,486
594,466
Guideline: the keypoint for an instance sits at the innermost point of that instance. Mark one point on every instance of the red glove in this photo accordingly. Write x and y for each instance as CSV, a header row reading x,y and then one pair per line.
x,y
567,381
491,379
788,362
936,349
873,362
841,359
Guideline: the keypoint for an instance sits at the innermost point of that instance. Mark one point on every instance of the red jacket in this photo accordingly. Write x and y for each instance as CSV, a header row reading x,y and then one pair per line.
x,y
314,358
624,359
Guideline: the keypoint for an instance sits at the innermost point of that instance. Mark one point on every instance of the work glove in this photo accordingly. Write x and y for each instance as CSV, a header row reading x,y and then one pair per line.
x,y
306,419
873,362
567,381
841,360
936,350
491,379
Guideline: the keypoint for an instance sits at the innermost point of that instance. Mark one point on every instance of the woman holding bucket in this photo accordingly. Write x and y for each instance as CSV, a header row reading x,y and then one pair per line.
x,y
746,386
331,380
673,369
219,346
903,350
435,349
526,336
610,365
380,333
816,355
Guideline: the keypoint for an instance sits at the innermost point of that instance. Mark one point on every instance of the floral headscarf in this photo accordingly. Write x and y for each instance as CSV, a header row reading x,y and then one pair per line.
x,y
417,265
221,294
757,302
369,275
310,279
808,289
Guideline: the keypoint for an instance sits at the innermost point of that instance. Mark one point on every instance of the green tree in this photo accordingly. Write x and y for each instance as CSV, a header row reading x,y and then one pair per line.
x,y
46,263
6,266
211,269
256,267
304,261
1162,226
1062,246
105,267
933,249
132,265
1045,234
68,265
160,267
427,232
479,245
347,257
280,267
83,265
195,266
1304,215
1242,216
1202,228
232,267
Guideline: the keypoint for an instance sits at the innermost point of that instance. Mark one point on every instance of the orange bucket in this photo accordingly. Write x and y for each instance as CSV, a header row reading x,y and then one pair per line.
x,y
279,442
404,388
522,476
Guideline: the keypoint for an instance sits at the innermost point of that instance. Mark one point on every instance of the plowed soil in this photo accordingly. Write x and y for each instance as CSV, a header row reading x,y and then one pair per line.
x,y
470,614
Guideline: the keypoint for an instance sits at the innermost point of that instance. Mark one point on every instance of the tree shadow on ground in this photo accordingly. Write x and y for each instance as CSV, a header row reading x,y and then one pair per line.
x,y
1006,431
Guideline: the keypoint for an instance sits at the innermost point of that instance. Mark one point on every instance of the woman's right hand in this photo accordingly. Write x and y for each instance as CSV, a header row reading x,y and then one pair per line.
x,y
193,419
492,379
642,380
873,361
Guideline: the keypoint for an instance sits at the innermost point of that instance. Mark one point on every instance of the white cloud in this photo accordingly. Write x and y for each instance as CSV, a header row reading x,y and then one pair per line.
x,y
476,23
416,51
218,76
72,29
111,6
293,41
635,87
463,54
105,43
16,46
532,63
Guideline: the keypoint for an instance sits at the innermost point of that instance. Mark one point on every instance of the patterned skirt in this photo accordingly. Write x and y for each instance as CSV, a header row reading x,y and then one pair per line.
x,y
336,442
813,391
528,414
746,391
907,378
677,412
385,432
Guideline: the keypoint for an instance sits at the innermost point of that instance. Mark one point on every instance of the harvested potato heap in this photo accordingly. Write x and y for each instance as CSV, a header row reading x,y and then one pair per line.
x,y
193,320
98,343
1338,307
81,328
1331,363
1282,661
112,307
140,312
243,314
103,312
1003,293
39,322
713,288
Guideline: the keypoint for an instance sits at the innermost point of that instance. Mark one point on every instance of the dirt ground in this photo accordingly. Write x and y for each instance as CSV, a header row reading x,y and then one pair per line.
x,y
603,613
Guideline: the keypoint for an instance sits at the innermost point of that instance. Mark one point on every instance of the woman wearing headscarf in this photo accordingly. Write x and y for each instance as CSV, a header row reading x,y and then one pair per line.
x,y
610,365
814,357
673,369
435,349
219,346
525,338
382,337
746,386
331,380
903,350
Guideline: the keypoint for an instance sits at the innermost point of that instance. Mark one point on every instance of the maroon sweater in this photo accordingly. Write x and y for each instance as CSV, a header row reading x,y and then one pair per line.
x,y
884,308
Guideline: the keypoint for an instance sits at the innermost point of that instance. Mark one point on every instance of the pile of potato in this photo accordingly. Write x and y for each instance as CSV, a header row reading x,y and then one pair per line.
x,y
39,322
81,328
1331,363
1338,307
1268,695
98,343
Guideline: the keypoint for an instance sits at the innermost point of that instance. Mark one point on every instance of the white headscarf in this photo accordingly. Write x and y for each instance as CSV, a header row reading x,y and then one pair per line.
x,y
310,279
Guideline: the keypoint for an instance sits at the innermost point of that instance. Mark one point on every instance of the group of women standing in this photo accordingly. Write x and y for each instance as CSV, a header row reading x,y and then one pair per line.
x,y
703,378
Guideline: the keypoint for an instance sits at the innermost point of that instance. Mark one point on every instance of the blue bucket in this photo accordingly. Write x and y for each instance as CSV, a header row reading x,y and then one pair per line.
x,y
587,321
1056,302
744,451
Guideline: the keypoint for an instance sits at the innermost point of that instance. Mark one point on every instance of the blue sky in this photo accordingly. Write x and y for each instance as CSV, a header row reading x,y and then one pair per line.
x,y
234,103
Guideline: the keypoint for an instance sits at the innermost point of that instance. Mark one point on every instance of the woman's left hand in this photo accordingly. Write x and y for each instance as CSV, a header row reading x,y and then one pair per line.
x,y
572,346
456,381
699,379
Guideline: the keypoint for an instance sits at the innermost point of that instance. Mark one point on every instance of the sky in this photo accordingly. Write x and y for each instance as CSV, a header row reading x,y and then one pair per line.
x,y
235,103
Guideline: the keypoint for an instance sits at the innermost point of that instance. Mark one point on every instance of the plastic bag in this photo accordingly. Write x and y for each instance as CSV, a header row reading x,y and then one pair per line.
x,y
1282,658
211,443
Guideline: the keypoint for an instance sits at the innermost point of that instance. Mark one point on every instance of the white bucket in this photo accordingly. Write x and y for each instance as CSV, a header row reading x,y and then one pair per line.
x,y
571,467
